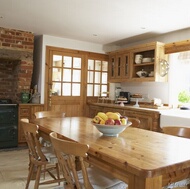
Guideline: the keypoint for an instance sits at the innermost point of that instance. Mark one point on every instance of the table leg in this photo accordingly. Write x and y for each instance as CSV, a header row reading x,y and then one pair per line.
x,y
144,183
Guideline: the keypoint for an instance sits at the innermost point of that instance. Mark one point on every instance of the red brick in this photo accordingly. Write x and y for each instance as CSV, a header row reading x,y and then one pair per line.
x,y
6,44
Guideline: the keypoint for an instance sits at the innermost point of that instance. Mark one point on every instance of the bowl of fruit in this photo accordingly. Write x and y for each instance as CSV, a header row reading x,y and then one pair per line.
x,y
110,123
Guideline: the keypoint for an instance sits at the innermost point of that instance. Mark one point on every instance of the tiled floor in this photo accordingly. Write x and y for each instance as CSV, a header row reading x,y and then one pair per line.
x,y
14,170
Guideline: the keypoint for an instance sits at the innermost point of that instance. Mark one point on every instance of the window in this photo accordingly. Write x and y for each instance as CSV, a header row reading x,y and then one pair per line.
x,y
97,78
66,75
179,77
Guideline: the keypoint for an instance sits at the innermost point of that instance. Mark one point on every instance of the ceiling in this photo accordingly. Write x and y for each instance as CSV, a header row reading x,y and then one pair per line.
x,y
116,22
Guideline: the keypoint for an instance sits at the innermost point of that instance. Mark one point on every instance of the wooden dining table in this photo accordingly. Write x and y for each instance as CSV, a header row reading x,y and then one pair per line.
x,y
141,158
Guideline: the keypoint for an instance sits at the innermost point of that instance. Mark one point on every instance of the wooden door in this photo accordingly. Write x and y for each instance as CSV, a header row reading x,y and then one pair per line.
x,y
72,77
64,86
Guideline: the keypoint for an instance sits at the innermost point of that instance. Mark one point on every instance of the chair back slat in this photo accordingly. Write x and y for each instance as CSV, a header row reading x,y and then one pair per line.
x,y
32,139
135,122
67,152
177,131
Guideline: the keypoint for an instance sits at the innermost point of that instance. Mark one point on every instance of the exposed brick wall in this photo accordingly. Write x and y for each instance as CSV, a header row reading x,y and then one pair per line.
x,y
16,63
16,40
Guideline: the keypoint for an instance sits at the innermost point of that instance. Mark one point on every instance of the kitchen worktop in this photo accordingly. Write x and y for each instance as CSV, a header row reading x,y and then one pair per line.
x,y
127,106
175,117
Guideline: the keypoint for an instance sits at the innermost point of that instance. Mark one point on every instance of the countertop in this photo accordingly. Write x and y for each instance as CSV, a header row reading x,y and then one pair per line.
x,y
175,117
126,106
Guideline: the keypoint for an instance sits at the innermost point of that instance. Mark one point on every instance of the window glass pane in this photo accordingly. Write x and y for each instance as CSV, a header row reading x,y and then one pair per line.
x,y
67,61
76,75
96,90
97,77
90,77
56,88
57,60
97,65
181,83
90,64
76,62
104,77
104,66
75,89
56,75
66,74
66,89
89,90
104,89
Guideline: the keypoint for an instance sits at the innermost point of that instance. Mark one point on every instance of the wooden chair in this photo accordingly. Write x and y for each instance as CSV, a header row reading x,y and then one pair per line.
x,y
135,122
52,114
41,159
180,132
88,177
177,131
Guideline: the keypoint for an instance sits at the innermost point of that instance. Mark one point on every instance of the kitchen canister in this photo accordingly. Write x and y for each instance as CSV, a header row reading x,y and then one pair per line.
x,y
138,58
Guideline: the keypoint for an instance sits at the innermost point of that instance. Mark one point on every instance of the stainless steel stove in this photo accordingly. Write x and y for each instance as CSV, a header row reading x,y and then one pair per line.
x,y
8,124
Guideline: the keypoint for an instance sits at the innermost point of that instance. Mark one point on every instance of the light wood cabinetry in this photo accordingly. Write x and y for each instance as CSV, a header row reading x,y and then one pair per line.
x,y
154,51
122,66
149,119
118,67
26,111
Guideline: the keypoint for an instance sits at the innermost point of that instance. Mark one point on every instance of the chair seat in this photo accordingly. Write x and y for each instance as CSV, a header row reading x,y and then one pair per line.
x,y
49,154
101,180
181,183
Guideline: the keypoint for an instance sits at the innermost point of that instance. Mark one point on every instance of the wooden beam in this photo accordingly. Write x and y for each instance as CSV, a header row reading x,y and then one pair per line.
x,y
177,47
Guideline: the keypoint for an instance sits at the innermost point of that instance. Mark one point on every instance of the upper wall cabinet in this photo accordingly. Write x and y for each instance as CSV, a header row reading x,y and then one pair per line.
x,y
119,67
142,63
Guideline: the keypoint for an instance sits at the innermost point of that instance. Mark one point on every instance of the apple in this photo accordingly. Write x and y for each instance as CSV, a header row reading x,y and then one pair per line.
x,y
117,122
109,121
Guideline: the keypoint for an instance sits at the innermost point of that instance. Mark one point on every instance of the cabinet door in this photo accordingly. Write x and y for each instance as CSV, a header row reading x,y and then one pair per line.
x,y
119,67
115,67
27,111
24,112
125,67
148,120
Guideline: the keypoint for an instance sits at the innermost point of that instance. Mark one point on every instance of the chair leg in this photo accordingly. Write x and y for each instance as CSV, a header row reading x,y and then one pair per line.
x,y
29,175
188,186
38,177
58,173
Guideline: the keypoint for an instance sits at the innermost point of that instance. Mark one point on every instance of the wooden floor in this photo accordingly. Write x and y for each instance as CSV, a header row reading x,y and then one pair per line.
x,y
14,170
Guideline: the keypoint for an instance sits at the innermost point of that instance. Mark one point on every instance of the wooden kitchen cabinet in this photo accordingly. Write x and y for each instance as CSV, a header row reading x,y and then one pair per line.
x,y
122,66
149,119
26,111
118,68
154,51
